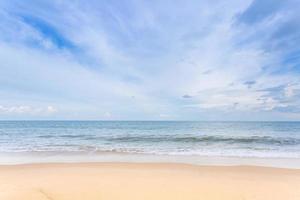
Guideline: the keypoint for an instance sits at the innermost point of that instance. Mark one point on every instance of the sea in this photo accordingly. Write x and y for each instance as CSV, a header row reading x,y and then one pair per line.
x,y
184,138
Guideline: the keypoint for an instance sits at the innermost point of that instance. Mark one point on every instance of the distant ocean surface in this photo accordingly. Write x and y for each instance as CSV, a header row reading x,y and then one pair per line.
x,y
239,139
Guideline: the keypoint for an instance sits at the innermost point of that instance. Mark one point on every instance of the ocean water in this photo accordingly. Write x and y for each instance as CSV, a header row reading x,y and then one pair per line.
x,y
237,139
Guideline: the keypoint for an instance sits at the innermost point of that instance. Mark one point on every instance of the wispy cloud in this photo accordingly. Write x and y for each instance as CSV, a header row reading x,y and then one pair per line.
x,y
27,110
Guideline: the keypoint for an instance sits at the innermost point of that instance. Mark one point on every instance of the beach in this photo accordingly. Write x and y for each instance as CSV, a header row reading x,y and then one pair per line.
x,y
128,160
149,100
112,181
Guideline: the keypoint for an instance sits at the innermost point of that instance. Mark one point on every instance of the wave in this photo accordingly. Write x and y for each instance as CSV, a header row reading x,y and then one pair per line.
x,y
210,139
186,139
67,136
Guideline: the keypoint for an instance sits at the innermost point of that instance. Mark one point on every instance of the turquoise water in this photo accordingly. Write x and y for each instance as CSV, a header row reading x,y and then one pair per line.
x,y
244,139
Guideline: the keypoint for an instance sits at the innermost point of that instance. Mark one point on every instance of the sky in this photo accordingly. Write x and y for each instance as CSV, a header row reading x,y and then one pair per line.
x,y
150,60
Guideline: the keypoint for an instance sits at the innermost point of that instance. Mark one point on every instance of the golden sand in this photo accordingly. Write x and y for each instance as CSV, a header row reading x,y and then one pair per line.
x,y
124,181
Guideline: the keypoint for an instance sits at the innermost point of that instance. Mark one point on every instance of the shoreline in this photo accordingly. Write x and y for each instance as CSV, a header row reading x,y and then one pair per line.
x,y
133,181
54,157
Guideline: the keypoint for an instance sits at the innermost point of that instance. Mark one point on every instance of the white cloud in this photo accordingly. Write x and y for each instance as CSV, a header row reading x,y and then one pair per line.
x,y
51,109
289,90
108,115
27,110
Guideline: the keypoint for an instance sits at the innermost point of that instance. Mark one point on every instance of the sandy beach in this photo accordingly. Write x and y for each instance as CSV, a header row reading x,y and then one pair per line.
x,y
111,181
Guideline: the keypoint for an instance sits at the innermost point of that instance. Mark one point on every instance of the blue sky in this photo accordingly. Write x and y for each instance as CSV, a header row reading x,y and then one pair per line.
x,y
150,60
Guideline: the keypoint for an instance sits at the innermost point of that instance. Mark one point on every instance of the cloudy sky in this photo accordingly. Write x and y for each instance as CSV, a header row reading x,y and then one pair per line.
x,y
150,60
